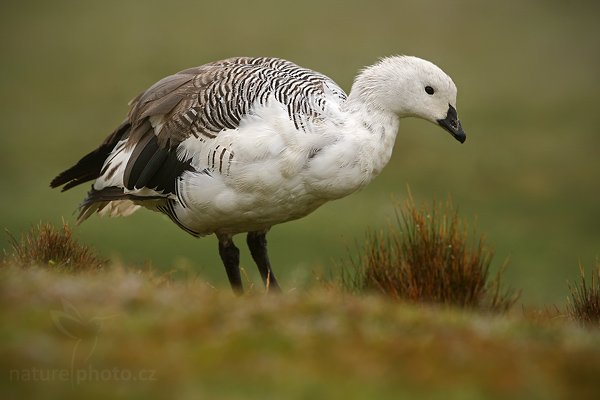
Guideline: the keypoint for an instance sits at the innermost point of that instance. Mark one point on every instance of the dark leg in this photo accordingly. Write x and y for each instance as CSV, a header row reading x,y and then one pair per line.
x,y
257,242
231,259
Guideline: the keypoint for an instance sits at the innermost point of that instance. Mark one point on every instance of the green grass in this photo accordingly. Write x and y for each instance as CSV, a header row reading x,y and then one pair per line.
x,y
76,331
138,334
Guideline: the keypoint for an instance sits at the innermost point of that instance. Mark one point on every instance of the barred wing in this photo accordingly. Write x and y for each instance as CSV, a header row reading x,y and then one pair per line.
x,y
205,100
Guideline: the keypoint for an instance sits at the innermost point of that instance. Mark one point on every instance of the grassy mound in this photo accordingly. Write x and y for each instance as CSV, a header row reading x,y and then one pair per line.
x,y
140,335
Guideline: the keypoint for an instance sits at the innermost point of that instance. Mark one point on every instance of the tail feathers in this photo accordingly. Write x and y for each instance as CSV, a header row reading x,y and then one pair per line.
x,y
90,166
115,208
112,202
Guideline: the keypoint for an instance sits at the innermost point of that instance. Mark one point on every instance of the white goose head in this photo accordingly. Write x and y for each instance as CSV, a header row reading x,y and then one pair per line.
x,y
411,87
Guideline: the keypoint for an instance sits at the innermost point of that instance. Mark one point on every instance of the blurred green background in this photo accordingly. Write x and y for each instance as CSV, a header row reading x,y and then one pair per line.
x,y
528,74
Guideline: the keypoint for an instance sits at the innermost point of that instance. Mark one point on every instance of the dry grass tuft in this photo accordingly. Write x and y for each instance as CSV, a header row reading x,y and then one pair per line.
x,y
427,257
47,245
584,302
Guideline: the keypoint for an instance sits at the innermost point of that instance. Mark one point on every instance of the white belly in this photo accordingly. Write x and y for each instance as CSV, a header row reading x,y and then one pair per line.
x,y
233,206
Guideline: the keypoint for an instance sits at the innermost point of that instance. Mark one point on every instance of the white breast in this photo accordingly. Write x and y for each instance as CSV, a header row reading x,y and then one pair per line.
x,y
252,177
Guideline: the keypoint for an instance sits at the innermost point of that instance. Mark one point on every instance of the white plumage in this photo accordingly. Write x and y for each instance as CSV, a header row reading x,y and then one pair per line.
x,y
243,144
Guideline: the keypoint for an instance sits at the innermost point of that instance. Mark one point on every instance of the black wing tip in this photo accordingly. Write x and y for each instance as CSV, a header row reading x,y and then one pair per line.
x,y
89,167
59,181
67,180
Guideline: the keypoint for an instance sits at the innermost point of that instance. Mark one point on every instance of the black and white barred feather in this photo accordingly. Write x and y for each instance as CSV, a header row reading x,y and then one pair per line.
x,y
208,99
197,102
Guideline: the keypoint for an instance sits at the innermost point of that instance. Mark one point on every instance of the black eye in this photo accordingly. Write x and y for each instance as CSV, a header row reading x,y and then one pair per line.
x,y
429,90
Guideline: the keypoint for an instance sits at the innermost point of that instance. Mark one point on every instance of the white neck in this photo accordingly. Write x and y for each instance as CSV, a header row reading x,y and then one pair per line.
x,y
375,131
363,147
